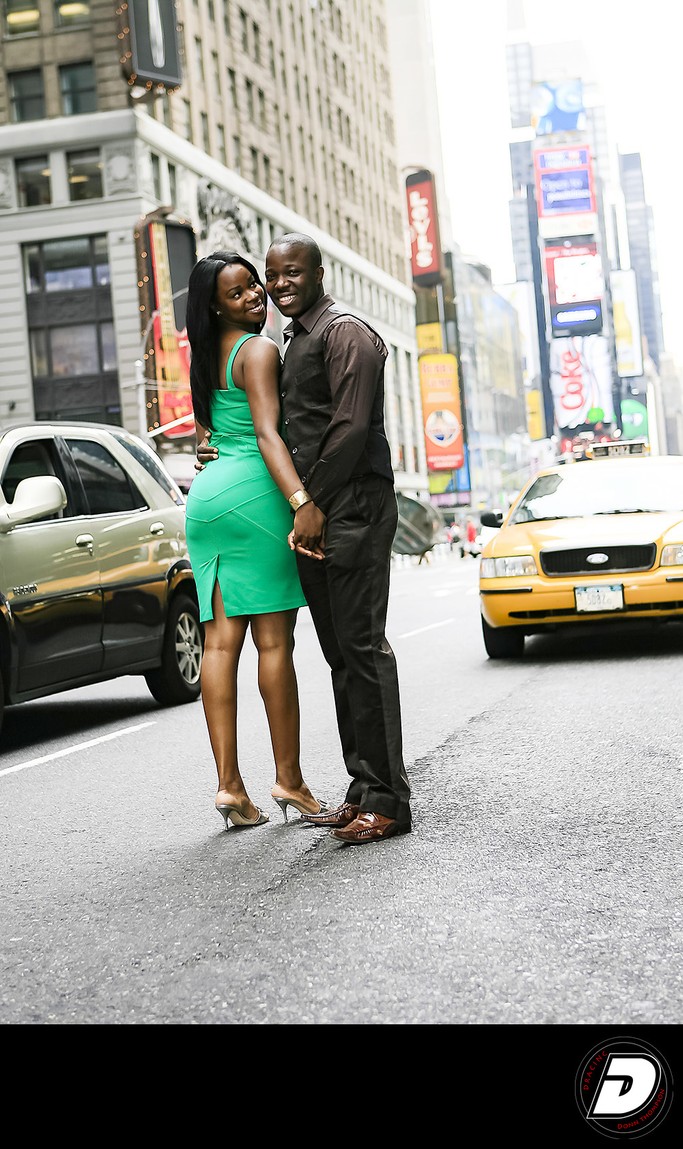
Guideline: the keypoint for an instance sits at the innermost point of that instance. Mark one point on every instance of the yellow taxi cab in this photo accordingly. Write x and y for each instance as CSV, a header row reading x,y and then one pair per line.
x,y
585,542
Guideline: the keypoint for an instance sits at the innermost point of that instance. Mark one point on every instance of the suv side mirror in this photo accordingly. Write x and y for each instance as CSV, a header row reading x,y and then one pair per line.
x,y
34,498
491,518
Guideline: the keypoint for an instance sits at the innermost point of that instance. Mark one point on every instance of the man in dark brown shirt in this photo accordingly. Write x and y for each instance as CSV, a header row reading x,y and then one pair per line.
x,y
333,407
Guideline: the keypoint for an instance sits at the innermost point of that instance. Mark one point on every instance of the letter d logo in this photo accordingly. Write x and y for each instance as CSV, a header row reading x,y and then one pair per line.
x,y
624,1088
627,1086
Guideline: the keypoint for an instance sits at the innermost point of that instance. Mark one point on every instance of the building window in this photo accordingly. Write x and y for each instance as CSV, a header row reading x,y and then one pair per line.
x,y
85,175
236,158
108,357
67,265
33,181
73,350
249,89
199,60
71,331
39,360
173,184
26,95
71,12
77,86
156,175
21,16
205,133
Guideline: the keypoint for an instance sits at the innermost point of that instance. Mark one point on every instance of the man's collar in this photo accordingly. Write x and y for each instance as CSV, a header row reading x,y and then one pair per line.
x,y
308,320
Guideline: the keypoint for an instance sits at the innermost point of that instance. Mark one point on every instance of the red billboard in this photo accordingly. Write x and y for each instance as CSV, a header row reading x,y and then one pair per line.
x,y
425,245
564,182
166,255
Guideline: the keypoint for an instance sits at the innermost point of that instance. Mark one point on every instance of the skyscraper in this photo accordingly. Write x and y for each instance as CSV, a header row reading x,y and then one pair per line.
x,y
643,255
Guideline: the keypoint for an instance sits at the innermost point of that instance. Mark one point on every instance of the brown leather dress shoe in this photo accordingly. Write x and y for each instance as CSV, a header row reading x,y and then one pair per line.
x,y
333,818
369,827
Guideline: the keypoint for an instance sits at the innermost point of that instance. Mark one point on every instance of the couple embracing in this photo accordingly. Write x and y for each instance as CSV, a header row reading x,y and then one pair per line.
x,y
294,505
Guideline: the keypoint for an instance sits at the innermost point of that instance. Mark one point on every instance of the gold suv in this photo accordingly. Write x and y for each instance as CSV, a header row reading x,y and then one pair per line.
x,y
95,579
585,542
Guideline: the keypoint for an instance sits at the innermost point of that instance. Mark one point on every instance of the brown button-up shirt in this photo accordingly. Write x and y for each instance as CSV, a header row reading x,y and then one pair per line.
x,y
333,400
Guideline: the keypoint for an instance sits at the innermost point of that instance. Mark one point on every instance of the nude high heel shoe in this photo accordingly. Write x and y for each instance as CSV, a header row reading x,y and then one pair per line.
x,y
232,814
283,803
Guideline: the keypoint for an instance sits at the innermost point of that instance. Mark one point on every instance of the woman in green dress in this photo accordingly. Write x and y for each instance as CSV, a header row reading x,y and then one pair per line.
x,y
238,522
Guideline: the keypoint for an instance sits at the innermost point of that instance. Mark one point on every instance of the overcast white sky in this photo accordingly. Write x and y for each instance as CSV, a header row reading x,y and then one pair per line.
x,y
637,46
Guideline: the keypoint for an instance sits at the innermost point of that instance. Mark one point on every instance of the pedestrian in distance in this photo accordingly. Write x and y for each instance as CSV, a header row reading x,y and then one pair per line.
x,y
237,519
332,390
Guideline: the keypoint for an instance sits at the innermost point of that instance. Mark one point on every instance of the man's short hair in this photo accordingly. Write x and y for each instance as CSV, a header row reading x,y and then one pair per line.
x,y
299,239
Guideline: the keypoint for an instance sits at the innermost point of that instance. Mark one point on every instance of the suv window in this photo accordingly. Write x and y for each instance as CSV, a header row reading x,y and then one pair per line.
x,y
29,460
147,459
107,487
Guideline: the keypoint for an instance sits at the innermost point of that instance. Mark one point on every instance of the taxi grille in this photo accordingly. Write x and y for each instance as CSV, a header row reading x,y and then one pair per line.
x,y
620,558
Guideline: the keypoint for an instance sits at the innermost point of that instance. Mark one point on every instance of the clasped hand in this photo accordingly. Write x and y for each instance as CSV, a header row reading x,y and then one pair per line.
x,y
307,537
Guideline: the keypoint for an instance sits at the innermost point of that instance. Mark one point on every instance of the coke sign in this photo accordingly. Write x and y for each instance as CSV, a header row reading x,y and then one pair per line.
x,y
425,246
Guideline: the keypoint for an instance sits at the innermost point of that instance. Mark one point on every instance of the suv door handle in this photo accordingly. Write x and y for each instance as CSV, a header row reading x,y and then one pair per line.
x,y
156,529
85,541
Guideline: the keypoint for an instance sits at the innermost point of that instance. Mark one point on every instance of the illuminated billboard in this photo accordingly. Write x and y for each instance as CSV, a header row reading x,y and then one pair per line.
x,y
425,245
573,270
564,182
149,38
441,411
166,254
626,318
557,107
581,382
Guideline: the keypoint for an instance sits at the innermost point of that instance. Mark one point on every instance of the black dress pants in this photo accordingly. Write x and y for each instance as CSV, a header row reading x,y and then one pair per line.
x,y
347,594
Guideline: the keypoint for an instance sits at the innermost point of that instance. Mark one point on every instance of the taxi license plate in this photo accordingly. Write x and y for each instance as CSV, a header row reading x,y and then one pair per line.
x,y
599,598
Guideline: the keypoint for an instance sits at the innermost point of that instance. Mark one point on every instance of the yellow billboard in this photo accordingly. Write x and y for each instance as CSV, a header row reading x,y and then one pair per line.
x,y
441,411
535,420
428,336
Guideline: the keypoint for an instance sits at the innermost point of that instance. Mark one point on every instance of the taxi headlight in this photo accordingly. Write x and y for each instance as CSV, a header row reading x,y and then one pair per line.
x,y
672,556
508,567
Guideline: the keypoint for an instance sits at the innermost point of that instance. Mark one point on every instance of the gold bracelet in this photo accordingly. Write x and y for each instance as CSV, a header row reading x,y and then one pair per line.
x,y
298,499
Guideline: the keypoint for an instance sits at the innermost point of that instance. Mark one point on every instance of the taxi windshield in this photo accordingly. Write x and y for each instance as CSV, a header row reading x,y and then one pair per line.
x,y
602,488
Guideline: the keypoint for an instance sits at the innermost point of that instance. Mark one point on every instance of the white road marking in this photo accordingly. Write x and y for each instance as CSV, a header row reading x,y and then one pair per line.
x,y
422,629
76,749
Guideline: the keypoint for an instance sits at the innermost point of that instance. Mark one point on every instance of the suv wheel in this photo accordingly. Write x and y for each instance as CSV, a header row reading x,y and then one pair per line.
x,y
177,680
503,641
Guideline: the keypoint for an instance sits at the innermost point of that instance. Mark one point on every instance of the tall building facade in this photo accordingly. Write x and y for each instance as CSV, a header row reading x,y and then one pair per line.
x,y
643,252
281,119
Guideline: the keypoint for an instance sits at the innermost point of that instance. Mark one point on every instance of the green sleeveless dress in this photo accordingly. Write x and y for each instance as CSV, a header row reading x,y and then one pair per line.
x,y
237,519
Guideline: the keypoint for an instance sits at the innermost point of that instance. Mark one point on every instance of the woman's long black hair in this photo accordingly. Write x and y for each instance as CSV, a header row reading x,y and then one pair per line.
x,y
203,328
